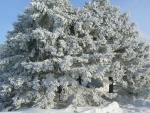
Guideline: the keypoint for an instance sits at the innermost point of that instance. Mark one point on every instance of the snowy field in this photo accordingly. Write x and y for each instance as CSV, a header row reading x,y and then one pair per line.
x,y
140,106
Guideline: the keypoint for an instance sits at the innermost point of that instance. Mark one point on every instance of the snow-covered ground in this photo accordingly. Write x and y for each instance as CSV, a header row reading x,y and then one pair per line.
x,y
134,109
140,106
112,108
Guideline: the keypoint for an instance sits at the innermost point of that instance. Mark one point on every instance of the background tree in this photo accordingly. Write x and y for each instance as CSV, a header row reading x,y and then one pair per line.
x,y
130,64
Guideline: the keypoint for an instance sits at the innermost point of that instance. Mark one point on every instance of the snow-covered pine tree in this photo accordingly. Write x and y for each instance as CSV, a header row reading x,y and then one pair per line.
x,y
130,67
48,59
57,54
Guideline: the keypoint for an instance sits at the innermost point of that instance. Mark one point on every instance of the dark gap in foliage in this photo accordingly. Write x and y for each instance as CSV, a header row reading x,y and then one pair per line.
x,y
95,83
124,78
33,46
79,79
111,87
102,49
92,33
59,91
46,22
71,29
56,67
81,35
121,50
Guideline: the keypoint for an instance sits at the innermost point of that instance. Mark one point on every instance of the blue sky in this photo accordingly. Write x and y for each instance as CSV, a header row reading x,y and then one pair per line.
x,y
138,9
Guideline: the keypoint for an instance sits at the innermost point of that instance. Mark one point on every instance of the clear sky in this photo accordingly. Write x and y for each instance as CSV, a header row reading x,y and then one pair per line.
x,y
139,13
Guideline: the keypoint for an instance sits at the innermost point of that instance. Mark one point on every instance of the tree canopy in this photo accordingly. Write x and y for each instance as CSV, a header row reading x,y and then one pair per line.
x,y
58,54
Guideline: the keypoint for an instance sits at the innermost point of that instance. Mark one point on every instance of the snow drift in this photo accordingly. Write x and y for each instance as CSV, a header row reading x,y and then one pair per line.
x,y
140,106
111,108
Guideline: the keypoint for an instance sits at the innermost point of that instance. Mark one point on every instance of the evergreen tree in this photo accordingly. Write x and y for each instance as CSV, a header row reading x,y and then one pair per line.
x,y
130,64
57,55
45,53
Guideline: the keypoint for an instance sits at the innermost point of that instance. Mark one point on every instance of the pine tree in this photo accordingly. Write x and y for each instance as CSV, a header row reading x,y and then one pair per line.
x,y
130,64
58,55
45,51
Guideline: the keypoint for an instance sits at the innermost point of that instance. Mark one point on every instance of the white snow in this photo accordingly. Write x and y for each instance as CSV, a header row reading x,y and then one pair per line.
x,y
134,109
112,108
140,106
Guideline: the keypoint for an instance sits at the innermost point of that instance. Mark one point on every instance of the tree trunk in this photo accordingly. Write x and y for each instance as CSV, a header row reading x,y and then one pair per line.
x,y
110,85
